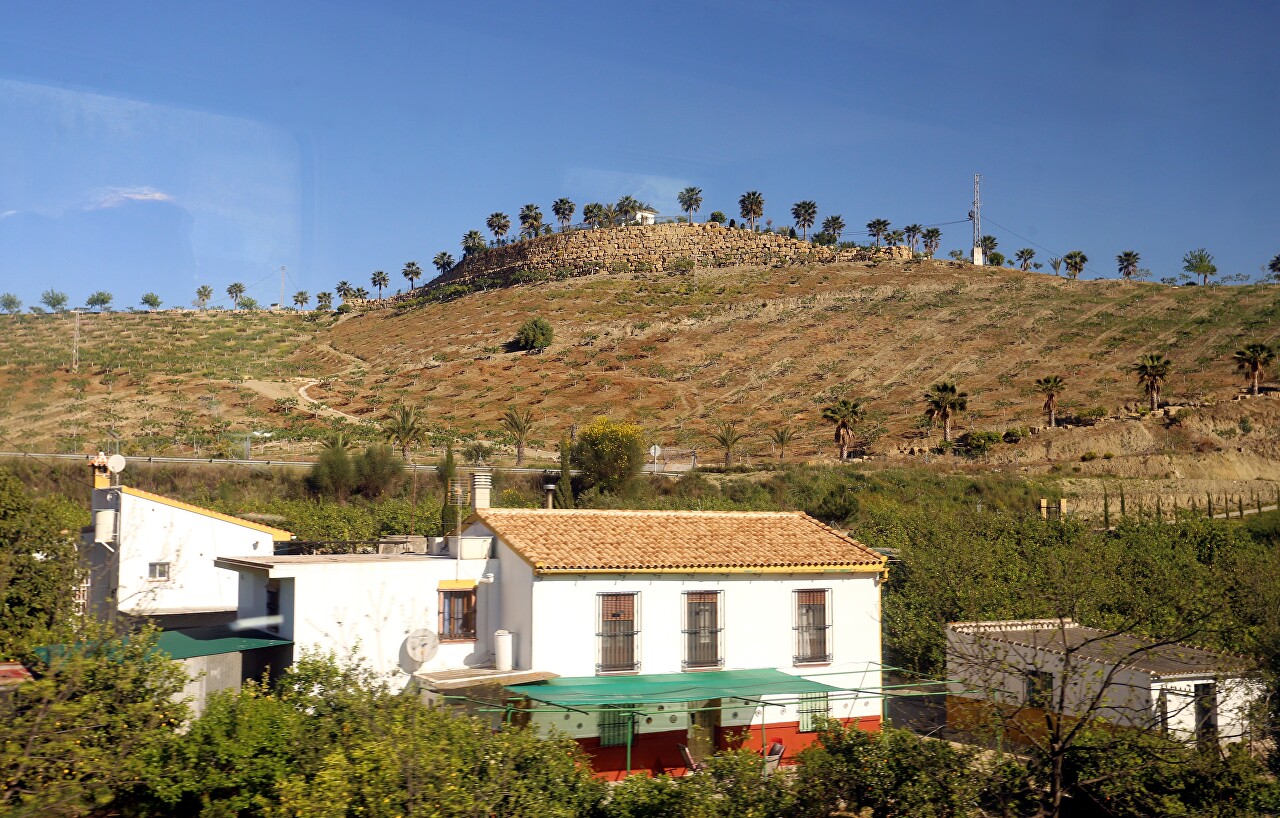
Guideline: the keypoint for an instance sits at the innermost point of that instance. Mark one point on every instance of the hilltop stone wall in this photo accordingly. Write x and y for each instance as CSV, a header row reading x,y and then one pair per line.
x,y
650,248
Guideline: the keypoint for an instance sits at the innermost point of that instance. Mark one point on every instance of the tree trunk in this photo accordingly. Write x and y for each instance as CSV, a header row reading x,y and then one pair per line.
x,y
1053,416
519,453
1256,374
946,429
728,458
1155,398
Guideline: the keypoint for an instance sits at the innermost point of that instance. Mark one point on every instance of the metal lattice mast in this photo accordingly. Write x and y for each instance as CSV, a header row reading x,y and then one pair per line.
x,y
976,216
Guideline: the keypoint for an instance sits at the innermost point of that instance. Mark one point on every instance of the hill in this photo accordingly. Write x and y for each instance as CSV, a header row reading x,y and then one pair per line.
x,y
757,345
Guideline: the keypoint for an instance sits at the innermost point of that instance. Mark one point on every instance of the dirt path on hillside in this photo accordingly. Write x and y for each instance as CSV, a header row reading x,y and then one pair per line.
x,y
297,388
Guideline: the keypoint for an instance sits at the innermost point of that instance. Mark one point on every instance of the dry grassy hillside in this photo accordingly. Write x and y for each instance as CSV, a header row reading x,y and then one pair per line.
x,y
677,353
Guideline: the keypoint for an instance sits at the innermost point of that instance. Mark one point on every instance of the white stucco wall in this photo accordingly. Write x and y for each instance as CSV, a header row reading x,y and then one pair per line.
x,y
369,605
149,531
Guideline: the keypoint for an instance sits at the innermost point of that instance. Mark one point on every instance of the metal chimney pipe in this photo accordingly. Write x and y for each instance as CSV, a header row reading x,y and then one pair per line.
x,y
550,489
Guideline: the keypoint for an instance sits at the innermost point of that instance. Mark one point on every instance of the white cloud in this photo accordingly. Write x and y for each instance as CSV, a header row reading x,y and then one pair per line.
x,y
6,214
652,189
116,196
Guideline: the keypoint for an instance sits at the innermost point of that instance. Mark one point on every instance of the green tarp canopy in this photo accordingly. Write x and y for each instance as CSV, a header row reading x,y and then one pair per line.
x,y
589,691
209,641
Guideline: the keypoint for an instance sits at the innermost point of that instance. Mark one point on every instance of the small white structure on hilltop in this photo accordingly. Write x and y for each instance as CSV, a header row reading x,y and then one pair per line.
x,y
650,636
1026,668
148,555
646,216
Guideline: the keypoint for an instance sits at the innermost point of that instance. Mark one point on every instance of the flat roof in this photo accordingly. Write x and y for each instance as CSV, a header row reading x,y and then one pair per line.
x,y
188,643
320,559
277,534
636,690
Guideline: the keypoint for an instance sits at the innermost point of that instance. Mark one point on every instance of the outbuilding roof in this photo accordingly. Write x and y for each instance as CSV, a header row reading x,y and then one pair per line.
x,y
277,534
598,541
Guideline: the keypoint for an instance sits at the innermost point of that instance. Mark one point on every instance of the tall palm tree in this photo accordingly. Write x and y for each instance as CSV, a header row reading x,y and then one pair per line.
x,y
203,295
845,414
518,424
379,279
1056,264
751,207
1127,263
443,262
609,215
1274,265
1252,360
1152,371
805,213
988,245
627,207
912,234
1051,387
563,209
235,291
878,228
944,401
404,429
833,226
1024,257
300,298
1199,262
412,272
1074,262
344,290
498,223
530,220
894,238
782,437
932,237
593,214
727,437
324,301
473,242
690,200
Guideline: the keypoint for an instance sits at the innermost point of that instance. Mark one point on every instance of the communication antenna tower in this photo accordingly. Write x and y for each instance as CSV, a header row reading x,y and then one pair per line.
x,y
976,216
75,346
281,286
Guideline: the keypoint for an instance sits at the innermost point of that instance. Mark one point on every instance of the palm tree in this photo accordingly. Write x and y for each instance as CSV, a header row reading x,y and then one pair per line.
x,y
300,298
498,224
1274,265
1051,387
236,292
360,293
563,208
380,279
1056,264
627,207
343,290
530,220
324,301
727,437
1074,262
404,429
690,200
473,242
609,215
518,423
833,226
593,214
1152,371
894,238
944,402
443,262
845,414
878,228
782,437
1127,263
1252,360
411,271
988,245
204,293
751,207
1024,257
1199,262
805,213
912,233
932,237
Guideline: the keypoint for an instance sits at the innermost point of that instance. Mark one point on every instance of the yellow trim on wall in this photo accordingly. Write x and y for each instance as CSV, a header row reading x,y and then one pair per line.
x,y
277,534
456,584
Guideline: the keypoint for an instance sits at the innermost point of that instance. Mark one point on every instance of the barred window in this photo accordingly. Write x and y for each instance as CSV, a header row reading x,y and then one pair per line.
x,y
1039,689
703,627
458,615
813,626
616,722
813,709
618,633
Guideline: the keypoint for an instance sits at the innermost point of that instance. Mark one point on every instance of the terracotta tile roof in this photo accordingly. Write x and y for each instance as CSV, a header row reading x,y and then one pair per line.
x,y
676,541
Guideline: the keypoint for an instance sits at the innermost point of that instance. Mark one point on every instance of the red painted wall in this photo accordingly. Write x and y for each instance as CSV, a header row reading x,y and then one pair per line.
x,y
658,753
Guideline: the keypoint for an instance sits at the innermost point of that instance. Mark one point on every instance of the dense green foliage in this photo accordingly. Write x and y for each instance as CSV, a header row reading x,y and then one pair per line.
x,y
609,453
536,333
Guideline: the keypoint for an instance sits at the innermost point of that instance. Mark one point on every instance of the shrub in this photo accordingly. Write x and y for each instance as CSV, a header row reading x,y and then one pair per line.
x,y
609,453
683,264
1087,456
979,443
717,217
534,334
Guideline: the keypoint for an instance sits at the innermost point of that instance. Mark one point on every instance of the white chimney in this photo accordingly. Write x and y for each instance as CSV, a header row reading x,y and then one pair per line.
x,y
481,484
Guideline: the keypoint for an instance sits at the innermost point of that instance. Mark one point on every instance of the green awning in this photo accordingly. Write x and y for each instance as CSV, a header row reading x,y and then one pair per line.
x,y
191,642
589,691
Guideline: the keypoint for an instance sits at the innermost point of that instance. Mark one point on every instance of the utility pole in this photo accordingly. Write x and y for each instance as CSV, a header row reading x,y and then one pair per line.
x,y
281,286
75,345
975,216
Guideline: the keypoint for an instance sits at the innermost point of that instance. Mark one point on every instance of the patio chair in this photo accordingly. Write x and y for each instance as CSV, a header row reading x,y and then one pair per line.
x,y
690,766
772,758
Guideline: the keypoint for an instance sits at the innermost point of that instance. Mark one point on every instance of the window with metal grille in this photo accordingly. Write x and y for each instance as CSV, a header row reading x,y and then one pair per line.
x,y
158,571
813,709
1039,689
458,615
703,627
813,626
616,723
618,633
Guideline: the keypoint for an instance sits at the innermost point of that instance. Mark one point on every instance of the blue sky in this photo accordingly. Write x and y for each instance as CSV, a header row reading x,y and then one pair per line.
x,y
156,147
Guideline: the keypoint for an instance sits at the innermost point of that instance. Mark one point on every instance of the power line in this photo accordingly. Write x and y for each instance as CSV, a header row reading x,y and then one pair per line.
x,y
1041,246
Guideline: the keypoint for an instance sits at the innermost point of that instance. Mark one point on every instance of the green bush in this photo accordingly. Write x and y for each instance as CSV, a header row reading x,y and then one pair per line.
x,y
683,264
609,453
1088,456
534,334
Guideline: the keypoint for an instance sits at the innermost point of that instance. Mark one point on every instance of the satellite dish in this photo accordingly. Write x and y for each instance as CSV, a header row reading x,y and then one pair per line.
x,y
115,463
421,645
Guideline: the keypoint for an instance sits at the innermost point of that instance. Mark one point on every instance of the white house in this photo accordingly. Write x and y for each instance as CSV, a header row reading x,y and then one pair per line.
x,y
153,556
633,631
646,216
1027,667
